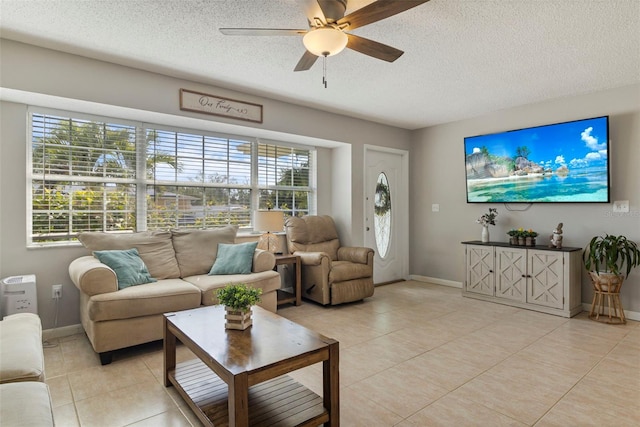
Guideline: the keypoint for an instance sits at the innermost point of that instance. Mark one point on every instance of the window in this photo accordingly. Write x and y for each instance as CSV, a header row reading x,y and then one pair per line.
x,y
284,179
83,176
197,180
382,218
90,174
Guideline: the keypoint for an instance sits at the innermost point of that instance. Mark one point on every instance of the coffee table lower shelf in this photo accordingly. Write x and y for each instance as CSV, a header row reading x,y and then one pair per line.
x,y
278,402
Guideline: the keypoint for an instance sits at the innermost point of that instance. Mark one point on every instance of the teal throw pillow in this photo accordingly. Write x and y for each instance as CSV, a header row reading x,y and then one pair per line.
x,y
128,265
234,259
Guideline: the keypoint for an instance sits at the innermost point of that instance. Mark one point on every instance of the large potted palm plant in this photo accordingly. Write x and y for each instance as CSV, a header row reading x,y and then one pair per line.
x,y
607,258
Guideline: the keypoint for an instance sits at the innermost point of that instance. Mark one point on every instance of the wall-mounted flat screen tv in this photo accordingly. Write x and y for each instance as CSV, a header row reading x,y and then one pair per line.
x,y
556,163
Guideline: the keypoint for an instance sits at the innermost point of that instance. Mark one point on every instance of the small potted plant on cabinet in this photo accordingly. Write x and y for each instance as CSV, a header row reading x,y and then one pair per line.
x,y
513,236
530,237
238,299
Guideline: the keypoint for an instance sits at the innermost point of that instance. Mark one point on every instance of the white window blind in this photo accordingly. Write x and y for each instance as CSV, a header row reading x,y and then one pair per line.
x,y
207,182
82,177
284,178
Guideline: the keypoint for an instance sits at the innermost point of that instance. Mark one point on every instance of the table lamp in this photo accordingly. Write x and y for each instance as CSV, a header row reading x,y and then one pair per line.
x,y
269,221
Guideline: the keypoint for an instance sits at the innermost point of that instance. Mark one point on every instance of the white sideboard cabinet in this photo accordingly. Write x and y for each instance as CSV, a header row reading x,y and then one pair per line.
x,y
536,278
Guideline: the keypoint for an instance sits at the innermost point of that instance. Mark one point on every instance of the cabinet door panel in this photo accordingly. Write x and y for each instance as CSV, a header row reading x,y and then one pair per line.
x,y
546,284
480,270
511,270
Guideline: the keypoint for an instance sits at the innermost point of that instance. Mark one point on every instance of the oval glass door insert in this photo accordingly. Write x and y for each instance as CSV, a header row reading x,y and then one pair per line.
x,y
382,217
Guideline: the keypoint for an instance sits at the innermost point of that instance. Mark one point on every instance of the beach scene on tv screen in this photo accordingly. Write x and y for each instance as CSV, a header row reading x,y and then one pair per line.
x,y
564,162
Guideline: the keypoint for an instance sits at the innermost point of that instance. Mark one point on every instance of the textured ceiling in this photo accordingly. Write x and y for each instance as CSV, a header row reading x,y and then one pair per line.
x,y
462,58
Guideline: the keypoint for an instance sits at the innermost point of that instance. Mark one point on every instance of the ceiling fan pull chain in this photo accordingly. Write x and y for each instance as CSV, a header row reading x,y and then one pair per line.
x,y
324,71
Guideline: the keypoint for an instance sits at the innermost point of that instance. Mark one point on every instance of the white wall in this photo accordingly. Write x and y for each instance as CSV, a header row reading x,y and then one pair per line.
x,y
438,176
65,81
341,161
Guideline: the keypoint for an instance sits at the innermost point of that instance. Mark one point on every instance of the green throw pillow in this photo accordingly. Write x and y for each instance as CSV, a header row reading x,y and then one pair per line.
x,y
128,265
234,259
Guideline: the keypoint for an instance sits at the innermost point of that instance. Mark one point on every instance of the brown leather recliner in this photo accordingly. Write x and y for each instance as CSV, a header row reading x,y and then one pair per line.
x,y
331,274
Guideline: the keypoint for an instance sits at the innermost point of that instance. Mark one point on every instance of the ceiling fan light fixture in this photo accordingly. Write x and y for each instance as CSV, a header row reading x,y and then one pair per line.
x,y
325,41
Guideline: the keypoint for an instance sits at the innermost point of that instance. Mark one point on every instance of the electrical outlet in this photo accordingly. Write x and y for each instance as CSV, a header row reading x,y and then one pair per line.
x,y
56,291
621,206
435,207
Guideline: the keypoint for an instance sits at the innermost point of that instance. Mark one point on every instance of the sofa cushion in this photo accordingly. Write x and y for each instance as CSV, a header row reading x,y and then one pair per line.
x,y
21,354
196,250
234,259
128,266
25,404
155,249
268,281
144,300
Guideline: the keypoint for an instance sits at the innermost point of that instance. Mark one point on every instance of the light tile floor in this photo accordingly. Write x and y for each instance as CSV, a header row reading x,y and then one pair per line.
x,y
414,354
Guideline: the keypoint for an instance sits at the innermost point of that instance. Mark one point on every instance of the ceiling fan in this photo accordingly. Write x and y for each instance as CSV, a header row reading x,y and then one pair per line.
x,y
327,34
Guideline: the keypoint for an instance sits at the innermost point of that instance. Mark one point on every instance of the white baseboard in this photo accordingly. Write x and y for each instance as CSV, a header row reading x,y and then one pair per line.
x,y
631,315
63,331
436,281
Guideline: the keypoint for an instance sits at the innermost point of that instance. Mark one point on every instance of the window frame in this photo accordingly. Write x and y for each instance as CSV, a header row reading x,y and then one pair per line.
x,y
142,183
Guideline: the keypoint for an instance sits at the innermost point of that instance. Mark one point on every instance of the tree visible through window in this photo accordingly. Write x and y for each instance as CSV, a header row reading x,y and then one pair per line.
x,y
115,176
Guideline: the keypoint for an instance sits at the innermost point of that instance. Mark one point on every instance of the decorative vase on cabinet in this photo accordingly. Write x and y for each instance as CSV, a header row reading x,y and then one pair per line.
x,y
485,234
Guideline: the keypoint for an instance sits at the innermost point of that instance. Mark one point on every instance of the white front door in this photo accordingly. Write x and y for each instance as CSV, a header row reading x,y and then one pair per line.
x,y
387,212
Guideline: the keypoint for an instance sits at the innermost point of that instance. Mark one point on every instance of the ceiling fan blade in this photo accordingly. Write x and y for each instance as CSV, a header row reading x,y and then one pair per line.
x,y
373,48
262,32
306,62
377,11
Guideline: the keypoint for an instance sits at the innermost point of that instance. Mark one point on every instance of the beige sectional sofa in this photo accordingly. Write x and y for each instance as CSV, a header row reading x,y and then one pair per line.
x,y
180,261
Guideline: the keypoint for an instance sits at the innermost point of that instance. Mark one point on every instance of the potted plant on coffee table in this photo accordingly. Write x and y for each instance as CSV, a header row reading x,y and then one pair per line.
x,y
238,299
607,258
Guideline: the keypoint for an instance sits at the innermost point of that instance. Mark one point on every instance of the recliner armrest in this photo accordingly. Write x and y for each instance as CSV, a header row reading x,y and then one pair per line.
x,y
92,277
355,254
312,258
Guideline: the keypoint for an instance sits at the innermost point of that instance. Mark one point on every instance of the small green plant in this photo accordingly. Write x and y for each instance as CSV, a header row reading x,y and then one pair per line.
x,y
611,254
239,296
521,232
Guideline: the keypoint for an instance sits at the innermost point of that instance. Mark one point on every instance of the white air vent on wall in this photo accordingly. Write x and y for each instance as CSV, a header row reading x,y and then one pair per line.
x,y
19,294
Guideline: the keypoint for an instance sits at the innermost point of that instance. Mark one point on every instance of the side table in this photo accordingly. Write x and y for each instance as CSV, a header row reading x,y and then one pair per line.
x,y
284,296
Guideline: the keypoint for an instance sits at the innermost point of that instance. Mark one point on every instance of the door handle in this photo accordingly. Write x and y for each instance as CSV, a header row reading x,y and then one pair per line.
x,y
367,228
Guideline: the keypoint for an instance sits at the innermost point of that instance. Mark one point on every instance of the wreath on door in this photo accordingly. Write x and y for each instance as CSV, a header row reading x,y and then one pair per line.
x,y
382,203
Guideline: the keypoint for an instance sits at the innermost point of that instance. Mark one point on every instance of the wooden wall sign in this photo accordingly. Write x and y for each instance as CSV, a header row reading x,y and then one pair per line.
x,y
210,104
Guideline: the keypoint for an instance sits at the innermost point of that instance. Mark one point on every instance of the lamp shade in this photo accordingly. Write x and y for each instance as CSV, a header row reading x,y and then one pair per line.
x,y
268,221
325,41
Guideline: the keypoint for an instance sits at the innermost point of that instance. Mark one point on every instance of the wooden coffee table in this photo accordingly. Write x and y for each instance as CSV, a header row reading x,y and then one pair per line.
x,y
239,377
